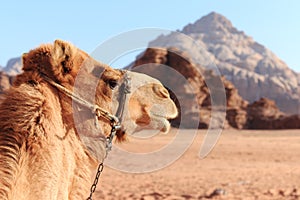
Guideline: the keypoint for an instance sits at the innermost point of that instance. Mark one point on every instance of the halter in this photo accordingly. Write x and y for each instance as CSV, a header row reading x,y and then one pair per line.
x,y
115,120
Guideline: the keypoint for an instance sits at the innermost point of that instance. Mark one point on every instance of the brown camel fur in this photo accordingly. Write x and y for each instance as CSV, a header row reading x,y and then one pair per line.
x,y
42,155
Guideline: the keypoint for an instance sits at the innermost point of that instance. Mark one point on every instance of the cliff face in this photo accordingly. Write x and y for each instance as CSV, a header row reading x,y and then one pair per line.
x,y
252,68
192,96
264,114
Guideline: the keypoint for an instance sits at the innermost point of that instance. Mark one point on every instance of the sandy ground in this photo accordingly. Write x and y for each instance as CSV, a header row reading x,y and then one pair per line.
x,y
243,165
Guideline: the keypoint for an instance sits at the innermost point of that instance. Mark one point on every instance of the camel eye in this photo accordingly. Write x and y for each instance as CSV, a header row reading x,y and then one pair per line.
x,y
112,84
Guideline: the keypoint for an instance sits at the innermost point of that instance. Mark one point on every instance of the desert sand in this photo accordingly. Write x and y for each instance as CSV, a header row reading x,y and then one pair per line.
x,y
243,165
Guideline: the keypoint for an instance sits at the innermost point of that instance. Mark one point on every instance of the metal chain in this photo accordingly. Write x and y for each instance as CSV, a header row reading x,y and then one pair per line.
x,y
109,139
115,127
98,111
93,187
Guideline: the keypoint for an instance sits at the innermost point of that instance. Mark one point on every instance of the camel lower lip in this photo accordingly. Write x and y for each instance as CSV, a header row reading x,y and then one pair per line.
x,y
165,124
164,116
160,116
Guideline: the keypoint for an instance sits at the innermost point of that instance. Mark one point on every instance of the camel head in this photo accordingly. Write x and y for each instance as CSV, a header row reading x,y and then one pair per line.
x,y
147,106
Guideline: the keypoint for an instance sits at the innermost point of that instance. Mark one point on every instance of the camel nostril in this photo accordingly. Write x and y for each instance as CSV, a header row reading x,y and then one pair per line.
x,y
161,91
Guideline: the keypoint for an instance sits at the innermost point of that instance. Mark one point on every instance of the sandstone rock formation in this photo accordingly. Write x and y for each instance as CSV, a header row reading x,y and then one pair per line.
x,y
192,96
264,114
236,114
254,70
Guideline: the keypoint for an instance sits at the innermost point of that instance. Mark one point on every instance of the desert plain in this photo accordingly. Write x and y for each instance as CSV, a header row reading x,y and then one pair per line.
x,y
243,165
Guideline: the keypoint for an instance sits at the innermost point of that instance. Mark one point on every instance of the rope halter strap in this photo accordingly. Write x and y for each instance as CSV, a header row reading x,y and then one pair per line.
x,y
97,110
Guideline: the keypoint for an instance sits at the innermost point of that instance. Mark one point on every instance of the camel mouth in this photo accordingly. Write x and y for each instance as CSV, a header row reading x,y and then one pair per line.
x,y
160,122
167,117
160,119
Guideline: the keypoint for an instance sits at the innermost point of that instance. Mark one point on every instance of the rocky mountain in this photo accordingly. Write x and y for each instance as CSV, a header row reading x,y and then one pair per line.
x,y
13,66
193,98
253,69
7,74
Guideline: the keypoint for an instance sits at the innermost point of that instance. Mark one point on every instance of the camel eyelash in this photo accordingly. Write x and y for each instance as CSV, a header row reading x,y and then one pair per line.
x,y
112,84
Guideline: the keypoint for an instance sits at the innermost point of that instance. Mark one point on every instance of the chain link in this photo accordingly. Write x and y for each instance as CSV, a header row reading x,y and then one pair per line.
x,y
93,187
98,111
116,126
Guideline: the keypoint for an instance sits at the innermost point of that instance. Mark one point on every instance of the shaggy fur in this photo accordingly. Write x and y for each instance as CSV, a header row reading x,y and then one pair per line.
x,y
41,153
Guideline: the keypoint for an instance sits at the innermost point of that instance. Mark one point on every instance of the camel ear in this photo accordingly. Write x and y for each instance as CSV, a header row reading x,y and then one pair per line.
x,y
24,59
62,55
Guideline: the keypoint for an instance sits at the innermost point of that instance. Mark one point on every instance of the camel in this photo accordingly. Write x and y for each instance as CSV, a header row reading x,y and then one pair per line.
x,y
42,152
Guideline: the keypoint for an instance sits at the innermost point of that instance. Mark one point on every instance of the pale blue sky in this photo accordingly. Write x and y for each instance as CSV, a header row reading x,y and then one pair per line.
x,y
26,24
